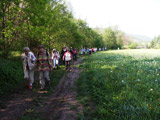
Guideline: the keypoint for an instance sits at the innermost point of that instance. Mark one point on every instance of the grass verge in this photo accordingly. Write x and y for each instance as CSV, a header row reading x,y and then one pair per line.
x,y
121,85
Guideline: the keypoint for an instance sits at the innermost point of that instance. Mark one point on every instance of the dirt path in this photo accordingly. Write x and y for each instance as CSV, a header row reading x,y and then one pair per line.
x,y
60,105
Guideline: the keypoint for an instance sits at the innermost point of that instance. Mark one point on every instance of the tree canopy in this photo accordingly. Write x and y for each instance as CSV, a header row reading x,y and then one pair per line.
x,y
155,43
48,22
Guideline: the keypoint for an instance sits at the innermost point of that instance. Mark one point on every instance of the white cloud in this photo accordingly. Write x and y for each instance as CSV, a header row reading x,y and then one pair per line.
x,y
132,16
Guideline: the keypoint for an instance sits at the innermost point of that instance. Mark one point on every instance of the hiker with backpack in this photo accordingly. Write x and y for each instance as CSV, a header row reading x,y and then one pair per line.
x,y
28,59
62,53
81,51
75,53
43,65
55,58
67,57
71,50
88,51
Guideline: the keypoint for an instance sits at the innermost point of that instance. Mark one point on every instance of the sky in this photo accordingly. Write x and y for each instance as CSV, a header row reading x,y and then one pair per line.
x,y
140,17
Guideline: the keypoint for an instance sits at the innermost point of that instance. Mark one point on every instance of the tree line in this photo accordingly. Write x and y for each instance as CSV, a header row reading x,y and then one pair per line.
x,y
155,43
49,22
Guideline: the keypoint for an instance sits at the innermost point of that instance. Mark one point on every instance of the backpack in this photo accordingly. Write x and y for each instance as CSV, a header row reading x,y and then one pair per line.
x,y
46,54
75,51
67,57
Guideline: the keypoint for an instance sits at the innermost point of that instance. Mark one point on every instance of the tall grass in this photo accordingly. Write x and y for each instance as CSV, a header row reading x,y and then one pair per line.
x,y
11,72
121,85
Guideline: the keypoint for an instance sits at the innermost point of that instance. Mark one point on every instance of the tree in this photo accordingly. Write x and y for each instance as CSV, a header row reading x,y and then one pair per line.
x,y
155,43
109,38
47,22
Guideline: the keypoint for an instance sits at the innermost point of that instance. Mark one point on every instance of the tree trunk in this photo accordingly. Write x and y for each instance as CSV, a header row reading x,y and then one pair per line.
x,y
3,22
5,51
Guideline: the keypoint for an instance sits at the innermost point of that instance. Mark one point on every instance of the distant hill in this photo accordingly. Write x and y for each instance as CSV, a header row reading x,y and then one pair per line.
x,y
140,38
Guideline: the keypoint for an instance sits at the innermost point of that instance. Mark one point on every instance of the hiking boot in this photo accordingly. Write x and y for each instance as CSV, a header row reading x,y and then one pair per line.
x,y
42,88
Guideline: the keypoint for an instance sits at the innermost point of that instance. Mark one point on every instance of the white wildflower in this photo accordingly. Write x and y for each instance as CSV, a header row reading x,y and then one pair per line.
x,y
151,89
138,80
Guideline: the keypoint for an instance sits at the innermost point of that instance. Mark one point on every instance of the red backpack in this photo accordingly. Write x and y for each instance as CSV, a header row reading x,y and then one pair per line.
x,y
75,51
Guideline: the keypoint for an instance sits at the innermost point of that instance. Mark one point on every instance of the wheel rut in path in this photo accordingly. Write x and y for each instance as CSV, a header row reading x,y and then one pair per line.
x,y
62,104
59,105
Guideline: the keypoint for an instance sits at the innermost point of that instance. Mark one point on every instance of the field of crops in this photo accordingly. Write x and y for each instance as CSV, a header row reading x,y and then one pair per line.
x,y
121,85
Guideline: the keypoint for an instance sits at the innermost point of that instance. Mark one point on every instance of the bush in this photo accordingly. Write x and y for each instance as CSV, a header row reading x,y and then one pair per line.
x,y
11,75
133,45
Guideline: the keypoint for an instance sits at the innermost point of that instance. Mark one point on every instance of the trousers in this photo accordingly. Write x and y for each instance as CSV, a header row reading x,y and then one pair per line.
x,y
29,76
43,77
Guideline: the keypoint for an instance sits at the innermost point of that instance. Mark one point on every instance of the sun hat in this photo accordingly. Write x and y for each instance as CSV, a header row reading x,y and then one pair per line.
x,y
26,49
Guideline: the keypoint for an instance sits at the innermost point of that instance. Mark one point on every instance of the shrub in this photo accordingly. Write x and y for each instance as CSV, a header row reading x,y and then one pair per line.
x,y
11,75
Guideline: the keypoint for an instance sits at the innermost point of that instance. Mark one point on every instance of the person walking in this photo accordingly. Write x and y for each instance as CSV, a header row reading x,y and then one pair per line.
x,y
81,51
88,51
68,58
84,51
43,65
75,52
62,54
71,50
55,58
28,59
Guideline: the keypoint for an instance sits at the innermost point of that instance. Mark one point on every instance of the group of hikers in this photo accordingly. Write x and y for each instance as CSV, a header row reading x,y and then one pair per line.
x,y
89,51
44,62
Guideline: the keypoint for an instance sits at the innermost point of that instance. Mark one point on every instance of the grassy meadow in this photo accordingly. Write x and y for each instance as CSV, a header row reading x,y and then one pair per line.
x,y
121,85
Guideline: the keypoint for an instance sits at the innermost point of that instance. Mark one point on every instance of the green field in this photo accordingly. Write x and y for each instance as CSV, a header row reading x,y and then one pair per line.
x,y
121,85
